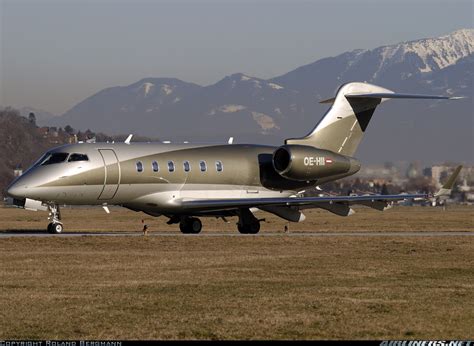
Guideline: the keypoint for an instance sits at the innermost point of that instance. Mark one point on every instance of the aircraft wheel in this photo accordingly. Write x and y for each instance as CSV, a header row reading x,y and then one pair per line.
x,y
251,228
55,228
190,225
183,226
195,225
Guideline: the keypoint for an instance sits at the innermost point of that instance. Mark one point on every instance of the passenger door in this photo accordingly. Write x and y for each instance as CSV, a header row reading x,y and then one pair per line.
x,y
111,172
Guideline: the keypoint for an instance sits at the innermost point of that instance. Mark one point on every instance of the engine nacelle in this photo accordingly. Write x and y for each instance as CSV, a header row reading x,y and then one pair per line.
x,y
305,163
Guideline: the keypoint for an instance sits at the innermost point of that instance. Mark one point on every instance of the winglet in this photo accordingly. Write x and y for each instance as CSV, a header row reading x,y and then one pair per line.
x,y
129,138
445,190
231,140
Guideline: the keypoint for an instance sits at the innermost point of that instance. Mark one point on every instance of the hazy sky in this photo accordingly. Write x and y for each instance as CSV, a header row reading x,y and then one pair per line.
x,y
56,53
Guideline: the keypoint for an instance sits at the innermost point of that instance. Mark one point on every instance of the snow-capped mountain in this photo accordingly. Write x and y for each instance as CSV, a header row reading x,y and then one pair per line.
x,y
267,111
161,105
390,65
434,53
129,108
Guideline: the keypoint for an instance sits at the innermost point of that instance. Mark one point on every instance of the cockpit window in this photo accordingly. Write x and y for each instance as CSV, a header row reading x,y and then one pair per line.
x,y
78,157
54,158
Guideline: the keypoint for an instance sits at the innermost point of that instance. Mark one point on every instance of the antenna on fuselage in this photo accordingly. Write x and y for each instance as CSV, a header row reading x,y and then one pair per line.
x,y
129,138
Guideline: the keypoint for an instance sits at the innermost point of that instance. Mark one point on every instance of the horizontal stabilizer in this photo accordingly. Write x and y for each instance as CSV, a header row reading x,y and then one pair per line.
x,y
392,96
331,100
399,96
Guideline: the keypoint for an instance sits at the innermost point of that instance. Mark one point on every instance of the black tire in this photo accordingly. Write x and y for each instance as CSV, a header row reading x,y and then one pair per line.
x,y
195,225
241,229
55,228
190,226
254,227
183,227
251,228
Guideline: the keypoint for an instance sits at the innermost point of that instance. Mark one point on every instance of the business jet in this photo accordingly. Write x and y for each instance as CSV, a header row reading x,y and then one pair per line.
x,y
184,182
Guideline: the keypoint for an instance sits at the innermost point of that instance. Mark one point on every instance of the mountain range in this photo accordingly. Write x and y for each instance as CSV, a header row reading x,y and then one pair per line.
x,y
252,109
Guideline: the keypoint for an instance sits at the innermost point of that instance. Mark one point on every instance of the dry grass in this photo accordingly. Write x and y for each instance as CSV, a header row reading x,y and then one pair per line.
x,y
455,218
188,287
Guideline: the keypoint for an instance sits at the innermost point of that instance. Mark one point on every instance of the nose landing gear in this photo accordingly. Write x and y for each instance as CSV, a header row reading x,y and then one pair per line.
x,y
55,226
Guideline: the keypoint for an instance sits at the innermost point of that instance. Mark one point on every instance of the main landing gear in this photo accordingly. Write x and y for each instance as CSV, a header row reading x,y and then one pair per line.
x,y
190,225
248,223
55,226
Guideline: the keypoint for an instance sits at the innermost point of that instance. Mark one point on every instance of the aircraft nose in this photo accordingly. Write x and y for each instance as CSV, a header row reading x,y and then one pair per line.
x,y
16,190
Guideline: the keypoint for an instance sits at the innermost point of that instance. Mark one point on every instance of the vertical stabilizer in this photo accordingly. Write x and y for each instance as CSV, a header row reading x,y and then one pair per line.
x,y
344,124
446,189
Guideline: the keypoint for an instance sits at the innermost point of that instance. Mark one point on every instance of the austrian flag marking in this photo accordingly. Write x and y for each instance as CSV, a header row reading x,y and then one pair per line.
x,y
328,160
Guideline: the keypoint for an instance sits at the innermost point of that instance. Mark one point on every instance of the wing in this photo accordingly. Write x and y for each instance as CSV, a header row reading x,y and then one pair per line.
x,y
375,201
339,205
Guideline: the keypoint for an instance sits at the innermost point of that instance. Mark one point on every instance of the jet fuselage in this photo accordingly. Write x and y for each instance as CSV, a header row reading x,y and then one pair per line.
x,y
154,177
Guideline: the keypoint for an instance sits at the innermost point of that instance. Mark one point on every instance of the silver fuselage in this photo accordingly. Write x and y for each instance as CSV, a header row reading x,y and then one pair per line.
x,y
110,176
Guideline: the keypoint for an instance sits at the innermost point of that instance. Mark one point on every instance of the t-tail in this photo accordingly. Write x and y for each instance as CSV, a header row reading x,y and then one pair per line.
x,y
344,124
446,189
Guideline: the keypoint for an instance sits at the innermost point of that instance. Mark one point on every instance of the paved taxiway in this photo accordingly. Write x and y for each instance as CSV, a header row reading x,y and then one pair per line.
x,y
18,234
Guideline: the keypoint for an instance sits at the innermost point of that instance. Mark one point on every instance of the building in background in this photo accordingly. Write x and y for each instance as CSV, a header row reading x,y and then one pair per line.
x,y
18,171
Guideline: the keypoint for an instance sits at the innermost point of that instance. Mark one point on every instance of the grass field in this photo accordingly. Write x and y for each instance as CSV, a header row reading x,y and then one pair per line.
x,y
455,218
282,287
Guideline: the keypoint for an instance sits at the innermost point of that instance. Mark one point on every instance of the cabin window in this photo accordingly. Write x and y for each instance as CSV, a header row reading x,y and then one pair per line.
x,y
77,157
154,166
170,166
187,166
202,165
219,166
54,158
139,167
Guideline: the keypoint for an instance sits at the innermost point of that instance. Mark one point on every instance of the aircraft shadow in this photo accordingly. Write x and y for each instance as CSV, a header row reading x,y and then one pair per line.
x,y
23,231
43,231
